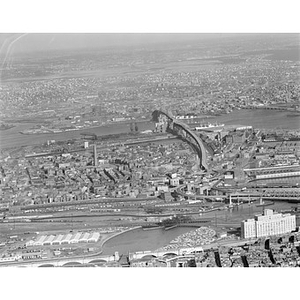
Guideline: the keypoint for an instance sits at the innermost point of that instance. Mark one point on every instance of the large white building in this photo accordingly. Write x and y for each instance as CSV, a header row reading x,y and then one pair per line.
x,y
270,223
75,238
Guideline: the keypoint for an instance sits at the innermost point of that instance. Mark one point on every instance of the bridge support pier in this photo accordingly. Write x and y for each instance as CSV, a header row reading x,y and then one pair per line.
x,y
261,202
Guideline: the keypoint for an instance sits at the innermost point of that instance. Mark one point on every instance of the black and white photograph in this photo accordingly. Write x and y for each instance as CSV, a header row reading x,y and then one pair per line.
x,y
149,149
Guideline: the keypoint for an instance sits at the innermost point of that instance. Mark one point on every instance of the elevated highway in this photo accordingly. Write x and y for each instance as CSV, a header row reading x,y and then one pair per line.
x,y
183,131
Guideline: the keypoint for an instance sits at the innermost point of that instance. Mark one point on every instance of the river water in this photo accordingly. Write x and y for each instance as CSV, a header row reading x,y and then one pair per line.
x,y
143,240
261,118
13,138
258,118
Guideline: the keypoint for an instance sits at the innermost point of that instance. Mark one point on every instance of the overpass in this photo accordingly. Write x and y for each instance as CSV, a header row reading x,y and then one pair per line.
x,y
183,131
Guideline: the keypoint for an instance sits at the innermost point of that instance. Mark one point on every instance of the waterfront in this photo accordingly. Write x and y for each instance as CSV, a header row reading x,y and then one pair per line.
x,y
13,138
143,240
258,118
287,54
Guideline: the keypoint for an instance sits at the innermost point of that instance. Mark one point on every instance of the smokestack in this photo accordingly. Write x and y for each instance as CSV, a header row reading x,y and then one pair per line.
x,y
95,156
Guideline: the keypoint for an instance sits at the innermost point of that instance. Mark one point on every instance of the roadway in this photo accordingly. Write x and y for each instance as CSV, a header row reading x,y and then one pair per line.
x,y
199,143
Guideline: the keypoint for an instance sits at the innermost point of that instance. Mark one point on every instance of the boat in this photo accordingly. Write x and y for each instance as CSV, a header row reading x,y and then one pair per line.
x,y
208,126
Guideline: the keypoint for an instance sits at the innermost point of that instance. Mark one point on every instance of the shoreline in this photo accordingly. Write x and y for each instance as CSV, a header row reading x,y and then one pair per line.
x,y
115,235
109,124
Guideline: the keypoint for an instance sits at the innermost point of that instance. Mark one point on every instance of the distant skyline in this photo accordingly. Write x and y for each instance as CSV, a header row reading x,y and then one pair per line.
x,y
59,41
31,42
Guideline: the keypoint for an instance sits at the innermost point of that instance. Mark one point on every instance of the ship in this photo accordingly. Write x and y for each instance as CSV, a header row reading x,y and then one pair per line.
x,y
209,126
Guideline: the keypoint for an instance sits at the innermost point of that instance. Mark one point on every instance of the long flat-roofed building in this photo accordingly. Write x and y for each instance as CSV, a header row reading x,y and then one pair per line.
x,y
40,240
94,237
268,224
63,239
84,238
66,239
48,240
57,239
75,238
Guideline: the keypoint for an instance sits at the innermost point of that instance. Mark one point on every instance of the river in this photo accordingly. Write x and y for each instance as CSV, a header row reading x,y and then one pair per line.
x,y
13,138
142,240
289,53
258,118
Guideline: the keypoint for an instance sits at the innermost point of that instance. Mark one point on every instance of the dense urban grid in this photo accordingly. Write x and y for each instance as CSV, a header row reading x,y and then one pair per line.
x,y
195,145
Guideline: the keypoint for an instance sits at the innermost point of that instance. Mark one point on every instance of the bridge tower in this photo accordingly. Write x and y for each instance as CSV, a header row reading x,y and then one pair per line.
x,y
261,202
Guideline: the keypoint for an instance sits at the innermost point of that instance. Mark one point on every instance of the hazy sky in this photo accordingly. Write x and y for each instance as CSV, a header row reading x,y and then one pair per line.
x,y
36,42
11,44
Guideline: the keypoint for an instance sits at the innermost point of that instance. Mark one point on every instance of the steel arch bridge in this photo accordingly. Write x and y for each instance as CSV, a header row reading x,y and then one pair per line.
x,y
183,131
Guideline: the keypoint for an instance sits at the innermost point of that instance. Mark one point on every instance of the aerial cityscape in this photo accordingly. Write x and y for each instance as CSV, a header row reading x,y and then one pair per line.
x,y
149,150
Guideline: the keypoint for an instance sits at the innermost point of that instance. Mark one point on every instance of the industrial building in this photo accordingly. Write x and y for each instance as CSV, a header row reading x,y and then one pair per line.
x,y
40,240
79,237
66,239
58,239
48,241
75,238
94,237
268,224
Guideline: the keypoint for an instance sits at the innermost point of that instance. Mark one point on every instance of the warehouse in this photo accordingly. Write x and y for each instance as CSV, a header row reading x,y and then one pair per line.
x,y
49,240
40,240
57,240
75,238
66,239
94,237
32,255
30,243
79,237
84,238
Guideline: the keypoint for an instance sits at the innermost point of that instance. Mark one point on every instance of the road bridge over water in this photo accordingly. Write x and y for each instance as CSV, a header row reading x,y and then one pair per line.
x,y
63,262
182,130
161,254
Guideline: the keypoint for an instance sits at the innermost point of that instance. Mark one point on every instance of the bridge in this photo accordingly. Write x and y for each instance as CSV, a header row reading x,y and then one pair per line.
x,y
165,253
63,262
273,172
291,194
183,131
280,194
100,259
